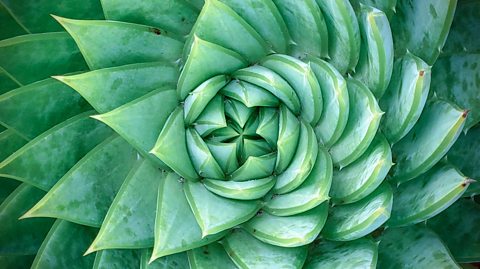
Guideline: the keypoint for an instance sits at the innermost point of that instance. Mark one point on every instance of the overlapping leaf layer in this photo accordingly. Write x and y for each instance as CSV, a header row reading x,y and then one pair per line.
x,y
239,134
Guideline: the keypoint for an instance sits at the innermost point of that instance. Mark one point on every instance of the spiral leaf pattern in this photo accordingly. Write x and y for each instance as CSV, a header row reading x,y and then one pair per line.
x,y
235,133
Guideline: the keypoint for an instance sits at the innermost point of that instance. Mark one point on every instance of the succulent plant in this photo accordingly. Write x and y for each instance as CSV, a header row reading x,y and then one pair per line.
x,y
239,134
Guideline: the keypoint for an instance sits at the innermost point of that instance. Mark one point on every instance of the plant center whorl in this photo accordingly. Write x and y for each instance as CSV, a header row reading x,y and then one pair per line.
x,y
249,125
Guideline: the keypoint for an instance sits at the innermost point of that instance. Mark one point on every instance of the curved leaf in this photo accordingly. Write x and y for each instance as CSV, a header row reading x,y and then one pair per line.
x,y
240,190
210,256
116,259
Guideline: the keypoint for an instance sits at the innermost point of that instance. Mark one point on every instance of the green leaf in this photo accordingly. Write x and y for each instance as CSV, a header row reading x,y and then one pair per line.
x,y
206,60
176,228
248,252
171,15
238,112
21,237
7,82
219,24
352,221
272,82
427,195
363,176
437,129
375,65
465,157
268,125
141,121
335,101
10,141
311,22
201,96
313,191
343,34
413,247
16,261
171,146
174,261
302,79
360,253
30,110
422,27
456,78
34,15
212,117
44,160
241,190
10,28
291,231
265,19
84,194
109,88
457,226
64,246
201,157
462,36
250,95
225,154
362,125
116,259
255,167
35,51
215,213
405,97
302,162
111,43
132,212
8,186
210,256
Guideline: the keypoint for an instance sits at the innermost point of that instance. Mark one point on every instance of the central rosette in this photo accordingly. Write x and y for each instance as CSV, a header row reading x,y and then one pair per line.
x,y
254,127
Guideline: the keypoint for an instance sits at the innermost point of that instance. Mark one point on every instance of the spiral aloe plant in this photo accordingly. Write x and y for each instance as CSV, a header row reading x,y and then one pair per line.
x,y
239,133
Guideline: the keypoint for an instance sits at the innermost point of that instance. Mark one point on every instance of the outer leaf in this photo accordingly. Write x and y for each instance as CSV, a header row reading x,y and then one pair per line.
x,y
405,97
86,191
343,34
111,43
174,261
132,212
312,22
457,226
215,213
140,121
171,146
219,24
427,195
464,155
21,237
291,231
109,88
427,38
461,37
64,246
32,109
11,28
16,261
265,19
176,229
376,56
10,142
352,221
68,142
8,186
171,15
210,256
35,51
248,252
116,259
362,177
313,191
335,101
360,253
413,247
437,129
363,120
455,78
34,15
